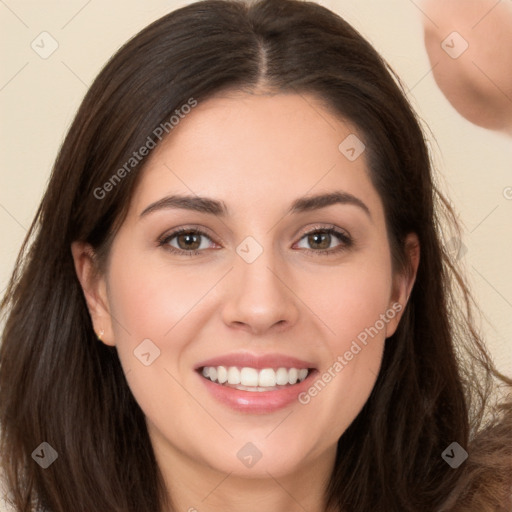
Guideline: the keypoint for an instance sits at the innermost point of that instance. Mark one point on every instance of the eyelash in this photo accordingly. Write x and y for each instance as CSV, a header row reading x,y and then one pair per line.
x,y
344,238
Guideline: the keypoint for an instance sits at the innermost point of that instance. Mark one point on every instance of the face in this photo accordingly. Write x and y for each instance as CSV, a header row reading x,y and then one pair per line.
x,y
288,298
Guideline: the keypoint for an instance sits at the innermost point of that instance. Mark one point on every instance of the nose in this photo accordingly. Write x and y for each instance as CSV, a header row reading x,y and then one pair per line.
x,y
259,296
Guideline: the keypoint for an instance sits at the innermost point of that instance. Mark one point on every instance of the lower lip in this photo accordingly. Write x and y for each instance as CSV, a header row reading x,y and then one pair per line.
x,y
261,402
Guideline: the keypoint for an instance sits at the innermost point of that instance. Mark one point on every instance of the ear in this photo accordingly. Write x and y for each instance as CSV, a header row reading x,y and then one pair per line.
x,y
95,291
403,282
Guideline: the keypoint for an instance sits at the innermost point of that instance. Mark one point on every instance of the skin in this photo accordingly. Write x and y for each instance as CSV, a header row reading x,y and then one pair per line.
x,y
478,83
257,153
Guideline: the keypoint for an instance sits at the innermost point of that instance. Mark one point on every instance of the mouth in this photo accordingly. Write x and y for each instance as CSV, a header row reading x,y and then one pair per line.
x,y
256,384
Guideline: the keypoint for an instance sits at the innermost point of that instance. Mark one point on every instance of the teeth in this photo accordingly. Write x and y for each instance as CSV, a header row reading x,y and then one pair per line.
x,y
222,374
256,379
281,377
233,375
249,377
267,377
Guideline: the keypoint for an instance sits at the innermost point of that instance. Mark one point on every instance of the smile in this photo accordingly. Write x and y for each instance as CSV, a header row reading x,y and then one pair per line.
x,y
252,383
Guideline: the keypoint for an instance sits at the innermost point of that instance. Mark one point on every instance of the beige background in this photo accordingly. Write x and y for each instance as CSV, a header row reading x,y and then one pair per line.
x,y
38,98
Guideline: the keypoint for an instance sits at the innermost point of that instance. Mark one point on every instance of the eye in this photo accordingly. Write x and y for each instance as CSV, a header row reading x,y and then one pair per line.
x,y
321,239
185,241
193,241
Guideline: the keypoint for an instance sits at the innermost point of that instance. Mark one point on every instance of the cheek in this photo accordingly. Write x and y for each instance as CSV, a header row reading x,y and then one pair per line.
x,y
149,306
350,298
147,301
354,307
150,299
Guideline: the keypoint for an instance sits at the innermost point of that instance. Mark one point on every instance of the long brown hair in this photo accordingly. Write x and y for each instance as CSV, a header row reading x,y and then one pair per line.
x,y
58,384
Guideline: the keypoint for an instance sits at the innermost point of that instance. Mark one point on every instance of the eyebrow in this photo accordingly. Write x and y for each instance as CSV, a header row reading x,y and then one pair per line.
x,y
219,208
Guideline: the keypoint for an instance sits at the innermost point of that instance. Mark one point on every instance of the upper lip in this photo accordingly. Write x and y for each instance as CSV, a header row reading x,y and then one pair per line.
x,y
245,359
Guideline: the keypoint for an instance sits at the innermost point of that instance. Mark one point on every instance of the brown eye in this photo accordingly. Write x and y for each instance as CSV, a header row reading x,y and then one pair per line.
x,y
186,242
320,241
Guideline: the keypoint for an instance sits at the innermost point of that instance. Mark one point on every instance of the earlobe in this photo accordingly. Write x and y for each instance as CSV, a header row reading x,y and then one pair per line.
x,y
404,282
94,290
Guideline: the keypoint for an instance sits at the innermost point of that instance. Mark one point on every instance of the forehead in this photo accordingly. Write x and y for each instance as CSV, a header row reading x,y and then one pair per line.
x,y
249,149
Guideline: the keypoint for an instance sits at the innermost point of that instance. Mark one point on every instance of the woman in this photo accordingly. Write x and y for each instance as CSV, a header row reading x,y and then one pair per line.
x,y
236,295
